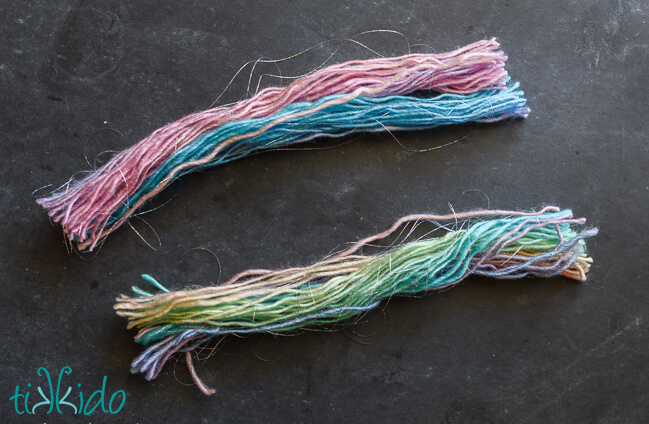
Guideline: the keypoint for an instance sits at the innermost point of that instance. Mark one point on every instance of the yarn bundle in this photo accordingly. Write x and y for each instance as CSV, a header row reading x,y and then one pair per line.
x,y
382,94
498,244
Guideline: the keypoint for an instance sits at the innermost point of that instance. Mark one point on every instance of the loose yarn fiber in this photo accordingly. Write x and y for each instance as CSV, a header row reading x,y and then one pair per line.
x,y
509,245
371,95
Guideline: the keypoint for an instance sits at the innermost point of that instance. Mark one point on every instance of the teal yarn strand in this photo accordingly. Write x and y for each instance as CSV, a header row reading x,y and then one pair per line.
x,y
513,245
300,122
329,102
361,114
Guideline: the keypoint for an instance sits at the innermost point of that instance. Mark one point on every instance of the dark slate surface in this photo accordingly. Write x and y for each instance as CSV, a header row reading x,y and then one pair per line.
x,y
529,351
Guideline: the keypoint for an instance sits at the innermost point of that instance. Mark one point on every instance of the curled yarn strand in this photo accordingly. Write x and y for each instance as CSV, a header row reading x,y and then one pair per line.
x,y
499,244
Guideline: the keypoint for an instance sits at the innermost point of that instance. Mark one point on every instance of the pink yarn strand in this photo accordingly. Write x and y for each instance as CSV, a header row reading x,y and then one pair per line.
x,y
84,208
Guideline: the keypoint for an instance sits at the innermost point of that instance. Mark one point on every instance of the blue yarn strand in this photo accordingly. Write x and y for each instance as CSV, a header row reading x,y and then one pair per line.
x,y
361,114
